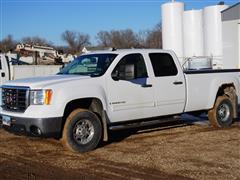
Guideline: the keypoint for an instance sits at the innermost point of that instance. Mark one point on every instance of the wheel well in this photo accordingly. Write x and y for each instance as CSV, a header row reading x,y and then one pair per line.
x,y
224,89
229,90
92,104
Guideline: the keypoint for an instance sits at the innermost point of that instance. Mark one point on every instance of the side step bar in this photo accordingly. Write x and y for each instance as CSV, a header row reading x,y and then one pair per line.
x,y
143,123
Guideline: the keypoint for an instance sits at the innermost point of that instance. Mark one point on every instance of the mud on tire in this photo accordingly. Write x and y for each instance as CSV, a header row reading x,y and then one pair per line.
x,y
222,113
82,131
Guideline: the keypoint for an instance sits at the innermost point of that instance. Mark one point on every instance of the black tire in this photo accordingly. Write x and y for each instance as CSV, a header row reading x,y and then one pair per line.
x,y
82,131
222,113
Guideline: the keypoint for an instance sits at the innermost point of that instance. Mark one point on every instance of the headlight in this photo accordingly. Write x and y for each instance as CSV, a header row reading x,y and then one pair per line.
x,y
40,97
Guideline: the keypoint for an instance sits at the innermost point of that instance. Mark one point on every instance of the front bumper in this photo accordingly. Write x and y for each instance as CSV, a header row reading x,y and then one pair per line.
x,y
42,127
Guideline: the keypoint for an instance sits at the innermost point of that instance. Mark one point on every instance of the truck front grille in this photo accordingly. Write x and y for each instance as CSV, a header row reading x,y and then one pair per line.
x,y
15,98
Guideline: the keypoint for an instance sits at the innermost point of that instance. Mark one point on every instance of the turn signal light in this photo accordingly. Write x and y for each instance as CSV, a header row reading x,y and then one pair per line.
x,y
48,96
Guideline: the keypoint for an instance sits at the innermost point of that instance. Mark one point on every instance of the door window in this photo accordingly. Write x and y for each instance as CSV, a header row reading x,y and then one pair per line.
x,y
130,67
163,64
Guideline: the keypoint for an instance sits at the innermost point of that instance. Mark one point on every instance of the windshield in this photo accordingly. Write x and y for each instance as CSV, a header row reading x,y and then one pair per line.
x,y
89,65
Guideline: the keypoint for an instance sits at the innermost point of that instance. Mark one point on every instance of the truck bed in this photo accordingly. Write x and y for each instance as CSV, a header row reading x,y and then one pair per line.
x,y
200,86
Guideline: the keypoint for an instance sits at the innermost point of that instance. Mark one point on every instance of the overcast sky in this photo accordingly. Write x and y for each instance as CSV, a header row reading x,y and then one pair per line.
x,y
49,18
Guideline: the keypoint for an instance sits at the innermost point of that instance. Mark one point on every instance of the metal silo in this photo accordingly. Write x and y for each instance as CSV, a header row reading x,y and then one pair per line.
x,y
213,31
172,27
193,33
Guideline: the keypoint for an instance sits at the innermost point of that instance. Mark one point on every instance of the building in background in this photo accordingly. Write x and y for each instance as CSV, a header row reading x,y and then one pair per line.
x,y
231,36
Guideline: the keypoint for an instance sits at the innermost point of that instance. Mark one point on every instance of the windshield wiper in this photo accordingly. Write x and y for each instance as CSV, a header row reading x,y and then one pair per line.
x,y
96,75
81,74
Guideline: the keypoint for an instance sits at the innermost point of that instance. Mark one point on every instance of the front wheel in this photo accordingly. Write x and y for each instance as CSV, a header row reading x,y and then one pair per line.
x,y
222,113
82,131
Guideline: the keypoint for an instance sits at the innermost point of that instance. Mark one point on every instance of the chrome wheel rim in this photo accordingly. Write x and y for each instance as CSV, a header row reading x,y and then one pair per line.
x,y
223,112
83,131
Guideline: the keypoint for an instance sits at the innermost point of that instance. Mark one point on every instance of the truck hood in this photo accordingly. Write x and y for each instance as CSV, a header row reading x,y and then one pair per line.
x,y
43,81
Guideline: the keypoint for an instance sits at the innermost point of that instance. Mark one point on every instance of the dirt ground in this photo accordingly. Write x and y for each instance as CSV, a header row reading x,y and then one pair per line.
x,y
167,151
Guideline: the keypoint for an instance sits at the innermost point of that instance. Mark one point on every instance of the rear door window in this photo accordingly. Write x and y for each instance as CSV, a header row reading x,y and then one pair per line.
x,y
163,64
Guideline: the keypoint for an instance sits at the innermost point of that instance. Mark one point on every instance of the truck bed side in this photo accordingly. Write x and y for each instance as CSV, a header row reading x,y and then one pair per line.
x,y
202,87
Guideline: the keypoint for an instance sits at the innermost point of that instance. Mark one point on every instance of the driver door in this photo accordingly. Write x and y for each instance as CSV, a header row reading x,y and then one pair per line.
x,y
130,93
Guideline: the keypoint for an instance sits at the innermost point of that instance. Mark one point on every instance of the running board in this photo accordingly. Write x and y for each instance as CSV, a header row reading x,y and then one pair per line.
x,y
143,123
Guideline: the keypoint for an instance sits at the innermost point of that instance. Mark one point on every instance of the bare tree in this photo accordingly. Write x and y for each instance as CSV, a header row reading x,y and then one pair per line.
x,y
36,41
82,40
104,39
142,36
118,38
76,41
69,37
7,44
128,39
154,37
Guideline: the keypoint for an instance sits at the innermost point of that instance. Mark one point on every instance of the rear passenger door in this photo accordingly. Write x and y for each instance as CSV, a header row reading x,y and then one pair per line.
x,y
169,85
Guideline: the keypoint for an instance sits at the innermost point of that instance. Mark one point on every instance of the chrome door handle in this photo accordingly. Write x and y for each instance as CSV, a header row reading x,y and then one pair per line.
x,y
146,85
177,82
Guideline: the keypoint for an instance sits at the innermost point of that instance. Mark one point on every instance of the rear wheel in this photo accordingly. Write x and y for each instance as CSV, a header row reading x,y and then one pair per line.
x,y
82,131
222,113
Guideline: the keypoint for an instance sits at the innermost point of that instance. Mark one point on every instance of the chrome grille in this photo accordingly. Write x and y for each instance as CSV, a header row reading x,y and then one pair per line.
x,y
15,98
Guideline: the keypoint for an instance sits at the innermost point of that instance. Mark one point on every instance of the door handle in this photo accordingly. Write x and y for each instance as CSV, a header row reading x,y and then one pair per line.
x,y
177,82
146,85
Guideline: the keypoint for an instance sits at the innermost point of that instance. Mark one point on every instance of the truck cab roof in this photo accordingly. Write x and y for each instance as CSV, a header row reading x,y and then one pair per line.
x,y
127,51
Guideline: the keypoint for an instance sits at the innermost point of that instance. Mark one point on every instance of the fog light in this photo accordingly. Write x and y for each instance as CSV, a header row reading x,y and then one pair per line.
x,y
35,131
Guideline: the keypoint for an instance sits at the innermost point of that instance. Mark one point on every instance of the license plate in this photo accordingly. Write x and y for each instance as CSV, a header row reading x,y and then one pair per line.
x,y
6,120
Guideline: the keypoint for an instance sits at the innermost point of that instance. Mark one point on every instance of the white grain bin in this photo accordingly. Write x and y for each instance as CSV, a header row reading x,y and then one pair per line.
x,y
172,27
213,31
193,33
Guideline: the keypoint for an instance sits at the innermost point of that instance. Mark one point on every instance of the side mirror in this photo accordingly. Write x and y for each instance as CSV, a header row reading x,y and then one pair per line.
x,y
115,75
124,72
129,72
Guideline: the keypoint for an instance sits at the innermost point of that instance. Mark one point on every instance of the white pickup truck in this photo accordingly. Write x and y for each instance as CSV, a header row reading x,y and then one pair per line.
x,y
106,90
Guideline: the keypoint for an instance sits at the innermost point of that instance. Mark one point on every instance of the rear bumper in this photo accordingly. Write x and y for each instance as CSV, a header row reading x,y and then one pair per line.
x,y
41,127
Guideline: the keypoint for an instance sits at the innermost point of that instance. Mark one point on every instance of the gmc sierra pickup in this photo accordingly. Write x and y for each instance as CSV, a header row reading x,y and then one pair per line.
x,y
101,91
